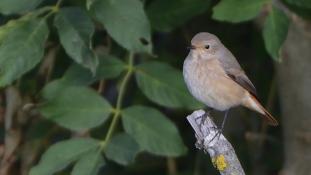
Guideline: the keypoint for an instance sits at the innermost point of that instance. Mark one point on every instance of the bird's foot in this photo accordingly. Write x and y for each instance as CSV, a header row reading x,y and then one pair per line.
x,y
217,135
201,119
209,110
219,131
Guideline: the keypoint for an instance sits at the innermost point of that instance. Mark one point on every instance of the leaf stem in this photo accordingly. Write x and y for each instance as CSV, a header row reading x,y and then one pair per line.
x,y
54,9
117,110
59,3
171,166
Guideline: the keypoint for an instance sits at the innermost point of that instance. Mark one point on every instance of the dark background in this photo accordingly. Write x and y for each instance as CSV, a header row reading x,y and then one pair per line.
x,y
282,84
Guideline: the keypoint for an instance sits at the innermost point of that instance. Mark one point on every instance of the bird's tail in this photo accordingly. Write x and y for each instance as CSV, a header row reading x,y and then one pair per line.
x,y
252,103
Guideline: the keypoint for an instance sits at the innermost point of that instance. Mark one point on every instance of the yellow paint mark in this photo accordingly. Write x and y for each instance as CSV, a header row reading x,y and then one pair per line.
x,y
219,162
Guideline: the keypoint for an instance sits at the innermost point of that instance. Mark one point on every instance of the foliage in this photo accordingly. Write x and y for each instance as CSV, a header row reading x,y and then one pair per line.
x,y
164,85
237,11
75,36
63,103
276,26
174,13
26,38
110,42
63,153
17,6
115,15
275,31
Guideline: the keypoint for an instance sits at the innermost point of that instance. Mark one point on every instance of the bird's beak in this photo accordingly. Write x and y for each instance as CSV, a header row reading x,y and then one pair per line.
x,y
191,47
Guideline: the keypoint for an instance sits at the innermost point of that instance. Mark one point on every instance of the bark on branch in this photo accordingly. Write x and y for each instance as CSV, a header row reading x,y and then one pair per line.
x,y
220,150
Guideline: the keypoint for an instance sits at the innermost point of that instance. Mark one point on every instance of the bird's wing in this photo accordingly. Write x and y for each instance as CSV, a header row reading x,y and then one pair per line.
x,y
235,72
242,80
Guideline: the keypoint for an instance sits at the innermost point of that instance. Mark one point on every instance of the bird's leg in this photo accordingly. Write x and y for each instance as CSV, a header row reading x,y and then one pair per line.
x,y
224,120
209,110
200,120
219,131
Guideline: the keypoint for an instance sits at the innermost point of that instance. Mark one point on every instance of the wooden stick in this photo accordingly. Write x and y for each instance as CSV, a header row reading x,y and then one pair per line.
x,y
220,150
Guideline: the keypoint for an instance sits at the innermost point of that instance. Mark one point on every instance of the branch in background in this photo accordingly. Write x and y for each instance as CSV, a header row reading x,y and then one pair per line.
x,y
220,150
279,4
171,166
46,68
293,85
117,111
12,137
294,17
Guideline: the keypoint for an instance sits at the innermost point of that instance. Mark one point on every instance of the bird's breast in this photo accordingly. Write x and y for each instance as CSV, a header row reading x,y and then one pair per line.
x,y
208,83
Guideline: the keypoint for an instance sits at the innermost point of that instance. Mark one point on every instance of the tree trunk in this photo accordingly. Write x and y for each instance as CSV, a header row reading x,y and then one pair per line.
x,y
294,78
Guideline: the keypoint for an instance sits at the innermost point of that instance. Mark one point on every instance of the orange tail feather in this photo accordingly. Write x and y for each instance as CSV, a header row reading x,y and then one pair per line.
x,y
269,118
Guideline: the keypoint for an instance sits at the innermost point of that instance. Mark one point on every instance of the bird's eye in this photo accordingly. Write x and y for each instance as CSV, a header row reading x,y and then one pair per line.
x,y
206,46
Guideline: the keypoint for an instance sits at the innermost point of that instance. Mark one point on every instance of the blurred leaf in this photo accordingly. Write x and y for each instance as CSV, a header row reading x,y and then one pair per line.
x,y
74,107
164,85
89,3
109,67
275,32
300,3
17,6
15,24
153,131
63,153
89,164
78,75
9,27
126,22
167,15
53,88
237,10
122,149
21,48
75,30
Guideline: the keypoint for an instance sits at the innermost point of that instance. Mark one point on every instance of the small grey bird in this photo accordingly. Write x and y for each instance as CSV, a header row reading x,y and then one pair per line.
x,y
214,77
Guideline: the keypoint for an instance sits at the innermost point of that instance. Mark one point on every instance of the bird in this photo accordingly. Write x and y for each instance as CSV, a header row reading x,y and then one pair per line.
x,y
214,77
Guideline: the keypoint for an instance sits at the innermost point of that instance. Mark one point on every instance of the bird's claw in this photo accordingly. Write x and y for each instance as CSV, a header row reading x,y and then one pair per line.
x,y
217,134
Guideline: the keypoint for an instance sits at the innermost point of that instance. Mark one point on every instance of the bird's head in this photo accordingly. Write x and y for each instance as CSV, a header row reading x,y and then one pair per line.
x,y
205,45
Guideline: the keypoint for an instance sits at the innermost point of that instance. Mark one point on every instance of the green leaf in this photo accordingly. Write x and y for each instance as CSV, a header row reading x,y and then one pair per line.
x,y
168,15
63,153
122,149
53,88
74,107
75,30
89,3
11,26
126,22
17,6
21,48
237,10
109,67
164,85
78,75
89,164
152,131
275,32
